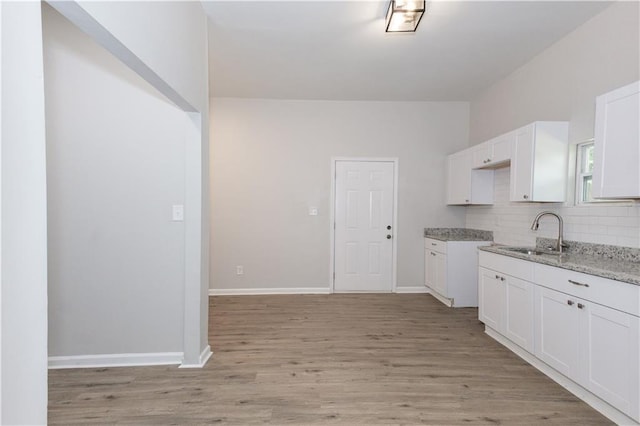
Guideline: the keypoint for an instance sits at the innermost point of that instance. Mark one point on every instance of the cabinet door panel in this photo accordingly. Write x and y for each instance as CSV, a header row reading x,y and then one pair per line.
x,y
518,325
502,146
609,356
557,329
522,165
490,299
617,143
459,178
430,268
481,155
440,276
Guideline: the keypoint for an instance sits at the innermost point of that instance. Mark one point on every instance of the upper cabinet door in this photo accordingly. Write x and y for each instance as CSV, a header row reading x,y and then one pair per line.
x,y
493,153
539,162
502,147
459,178
467,186
481,155
616,172
522,165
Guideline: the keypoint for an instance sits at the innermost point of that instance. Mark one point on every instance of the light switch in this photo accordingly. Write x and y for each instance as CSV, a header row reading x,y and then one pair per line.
x,y
313,211
178,212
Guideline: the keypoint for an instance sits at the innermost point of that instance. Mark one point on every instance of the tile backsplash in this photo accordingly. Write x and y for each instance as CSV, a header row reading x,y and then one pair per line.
x,y
615,224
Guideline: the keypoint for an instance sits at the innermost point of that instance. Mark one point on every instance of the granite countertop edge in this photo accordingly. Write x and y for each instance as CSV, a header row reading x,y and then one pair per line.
x,y
573,263
458,234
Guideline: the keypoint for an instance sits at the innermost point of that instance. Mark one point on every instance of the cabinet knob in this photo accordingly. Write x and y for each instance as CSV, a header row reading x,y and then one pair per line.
x,y
570,302
433,254
580,306
488,160
526,197
388,236
502,278
466,201
388,227
497,277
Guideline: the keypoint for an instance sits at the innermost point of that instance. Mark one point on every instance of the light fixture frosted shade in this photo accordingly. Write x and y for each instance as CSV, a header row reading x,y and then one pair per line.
x,y
404,15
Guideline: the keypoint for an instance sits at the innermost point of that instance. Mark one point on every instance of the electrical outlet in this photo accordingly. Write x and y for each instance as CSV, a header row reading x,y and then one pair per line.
x,y
239,270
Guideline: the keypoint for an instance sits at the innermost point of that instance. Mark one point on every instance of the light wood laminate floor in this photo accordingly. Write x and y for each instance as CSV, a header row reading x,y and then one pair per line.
x,y
327,359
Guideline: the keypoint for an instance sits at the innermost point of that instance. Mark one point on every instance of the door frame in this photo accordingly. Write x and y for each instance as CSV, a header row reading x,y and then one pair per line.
x,y
332,217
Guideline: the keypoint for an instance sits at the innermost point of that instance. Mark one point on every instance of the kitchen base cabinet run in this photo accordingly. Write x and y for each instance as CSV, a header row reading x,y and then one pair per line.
x,y
566,330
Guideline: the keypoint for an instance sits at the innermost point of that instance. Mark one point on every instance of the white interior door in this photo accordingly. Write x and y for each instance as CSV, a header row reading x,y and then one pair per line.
x,y
363,254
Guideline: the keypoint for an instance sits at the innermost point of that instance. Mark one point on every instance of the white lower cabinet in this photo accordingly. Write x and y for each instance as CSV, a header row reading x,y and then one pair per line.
x,y
506,305
450,271
436,271
557,330
490,299
594,345
518,324
608,350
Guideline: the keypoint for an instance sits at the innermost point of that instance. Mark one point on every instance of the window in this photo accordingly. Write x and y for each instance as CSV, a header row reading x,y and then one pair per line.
x,y
584,173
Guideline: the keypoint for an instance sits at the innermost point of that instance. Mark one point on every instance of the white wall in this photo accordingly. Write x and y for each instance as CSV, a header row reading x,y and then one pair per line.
x,y
179,27
271,161
23,288
115,166
562,83
166,44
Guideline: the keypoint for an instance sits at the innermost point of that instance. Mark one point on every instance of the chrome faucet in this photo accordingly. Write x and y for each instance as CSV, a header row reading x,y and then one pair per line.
x,y
536,223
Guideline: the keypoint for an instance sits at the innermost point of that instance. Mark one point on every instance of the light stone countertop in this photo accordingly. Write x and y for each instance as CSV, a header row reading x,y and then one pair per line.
x,y
458,234
616,263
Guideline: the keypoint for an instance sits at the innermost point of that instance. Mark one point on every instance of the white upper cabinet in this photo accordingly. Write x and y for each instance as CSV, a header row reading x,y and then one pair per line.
x,y
539,162
616,172
493,153
467,186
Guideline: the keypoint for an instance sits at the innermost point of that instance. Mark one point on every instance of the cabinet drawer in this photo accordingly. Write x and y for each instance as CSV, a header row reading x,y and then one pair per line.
x,y
435,245
506,265
624,297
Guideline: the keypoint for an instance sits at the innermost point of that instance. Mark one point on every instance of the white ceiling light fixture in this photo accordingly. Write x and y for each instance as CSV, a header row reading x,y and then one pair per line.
x,y
403,16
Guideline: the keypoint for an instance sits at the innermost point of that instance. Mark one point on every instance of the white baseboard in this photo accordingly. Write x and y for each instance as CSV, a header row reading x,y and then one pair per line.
x,y
417,289
598,404
204,357
296,290
258,291
115,360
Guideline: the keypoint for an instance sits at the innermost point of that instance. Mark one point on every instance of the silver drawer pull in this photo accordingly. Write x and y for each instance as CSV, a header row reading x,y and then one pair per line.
x,y
577,283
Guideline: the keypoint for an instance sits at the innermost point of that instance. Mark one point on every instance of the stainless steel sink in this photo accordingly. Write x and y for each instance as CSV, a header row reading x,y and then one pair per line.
x,y
531,251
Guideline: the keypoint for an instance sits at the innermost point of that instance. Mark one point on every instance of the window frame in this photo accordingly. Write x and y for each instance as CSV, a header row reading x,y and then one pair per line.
x,y
581,174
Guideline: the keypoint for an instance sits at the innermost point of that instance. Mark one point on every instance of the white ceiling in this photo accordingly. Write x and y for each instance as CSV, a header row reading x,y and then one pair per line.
x,y
338,49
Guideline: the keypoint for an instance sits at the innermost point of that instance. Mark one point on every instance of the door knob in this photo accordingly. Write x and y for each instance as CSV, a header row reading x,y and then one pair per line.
x,y
388,236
